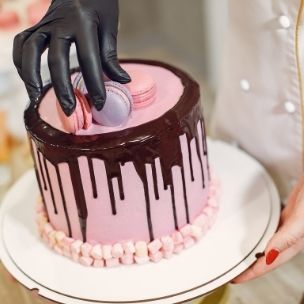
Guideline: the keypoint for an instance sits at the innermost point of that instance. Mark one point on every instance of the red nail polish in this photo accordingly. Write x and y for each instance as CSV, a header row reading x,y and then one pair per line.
x,y
272,256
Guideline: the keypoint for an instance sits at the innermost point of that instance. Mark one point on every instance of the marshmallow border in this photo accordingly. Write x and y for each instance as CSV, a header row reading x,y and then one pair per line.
x,y
129,252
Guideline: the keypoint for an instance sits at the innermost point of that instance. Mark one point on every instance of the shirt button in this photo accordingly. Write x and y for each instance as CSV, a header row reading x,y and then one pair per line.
x,y
245,85
284,22
290,107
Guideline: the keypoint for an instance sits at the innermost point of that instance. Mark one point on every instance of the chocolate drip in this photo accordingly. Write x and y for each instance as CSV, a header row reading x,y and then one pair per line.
x,y
174,207
204,139
190,156
155,184
140,145
197,144
185,196
92,176
79,196
41,171
63,200
38,178
50,185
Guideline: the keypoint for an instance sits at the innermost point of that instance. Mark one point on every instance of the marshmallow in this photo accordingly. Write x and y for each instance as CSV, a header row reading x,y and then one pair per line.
x,y
186,231
76,247
196,232
155,246
75,257
156,257
86,261
107,252
86,249
188,242
47,228
96,252
141,259
52,238
212,202
117,251
98,263
129,248
127,259
60,236
141,249
168,244
202,221
177,237
112,262
178,248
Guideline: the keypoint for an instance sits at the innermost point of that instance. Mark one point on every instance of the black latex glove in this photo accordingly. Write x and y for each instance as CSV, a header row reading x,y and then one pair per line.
x,y
92,25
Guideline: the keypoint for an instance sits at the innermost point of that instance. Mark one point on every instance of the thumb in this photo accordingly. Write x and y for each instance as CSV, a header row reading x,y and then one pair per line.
x,y
286,237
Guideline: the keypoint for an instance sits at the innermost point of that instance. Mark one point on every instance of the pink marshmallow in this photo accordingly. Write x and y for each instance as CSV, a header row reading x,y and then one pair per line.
x,y
168,254
168,244
47,228
86,261
127,259
177,237
117,251
202,221
107,252
141,259
96,252
155,246
156,257
212,202
186,231
66,253
67,243
178,248
86,250
141,249
52,239
129,248
196,232
98,263
75,257
188,242
209,211
112,262
76,247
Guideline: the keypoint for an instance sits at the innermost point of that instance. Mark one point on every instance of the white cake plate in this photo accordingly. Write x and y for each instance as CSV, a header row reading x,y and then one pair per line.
x,y
248,217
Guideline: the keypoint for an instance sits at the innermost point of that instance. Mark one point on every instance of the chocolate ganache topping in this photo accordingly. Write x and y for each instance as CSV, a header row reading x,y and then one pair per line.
x,y
140,145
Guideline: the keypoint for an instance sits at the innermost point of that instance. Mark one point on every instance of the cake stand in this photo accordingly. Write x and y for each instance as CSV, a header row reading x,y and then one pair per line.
x,y
248,217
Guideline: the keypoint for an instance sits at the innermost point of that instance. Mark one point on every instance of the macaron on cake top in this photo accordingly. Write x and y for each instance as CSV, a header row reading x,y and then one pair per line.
x,y
142,88
153,91
117,108
52,113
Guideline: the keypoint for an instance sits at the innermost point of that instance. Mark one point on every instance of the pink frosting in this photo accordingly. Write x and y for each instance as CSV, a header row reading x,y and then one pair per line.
x,y
170,93
127,253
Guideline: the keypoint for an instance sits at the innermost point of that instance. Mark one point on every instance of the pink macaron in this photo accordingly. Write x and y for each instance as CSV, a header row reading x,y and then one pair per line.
x,y
80,119
117,108
142,88
9,19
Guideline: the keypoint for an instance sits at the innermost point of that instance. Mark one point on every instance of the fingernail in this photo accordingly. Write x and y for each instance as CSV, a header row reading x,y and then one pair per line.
x,y
125,77
99,106
272,256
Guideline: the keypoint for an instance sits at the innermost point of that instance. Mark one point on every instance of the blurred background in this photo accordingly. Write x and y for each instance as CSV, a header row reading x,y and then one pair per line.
x,y
187,33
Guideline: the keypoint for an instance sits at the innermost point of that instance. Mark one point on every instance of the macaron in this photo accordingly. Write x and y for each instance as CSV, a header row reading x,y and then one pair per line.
x,y
117,108
142,88
80,119
9,19
118,105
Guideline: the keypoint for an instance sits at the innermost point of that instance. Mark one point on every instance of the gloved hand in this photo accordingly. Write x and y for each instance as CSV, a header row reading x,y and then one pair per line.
x,y
93,26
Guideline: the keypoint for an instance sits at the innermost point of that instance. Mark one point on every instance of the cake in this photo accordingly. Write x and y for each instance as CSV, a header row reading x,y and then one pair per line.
x,y
128,194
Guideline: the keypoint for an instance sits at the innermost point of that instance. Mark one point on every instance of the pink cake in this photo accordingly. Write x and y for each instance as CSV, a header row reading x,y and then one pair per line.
x,y
129,194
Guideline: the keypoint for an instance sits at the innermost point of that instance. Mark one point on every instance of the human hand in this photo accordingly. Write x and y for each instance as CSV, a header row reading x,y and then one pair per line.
x,y
287,241
93,26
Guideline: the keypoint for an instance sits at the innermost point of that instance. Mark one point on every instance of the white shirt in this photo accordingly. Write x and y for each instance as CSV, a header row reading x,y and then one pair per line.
x,y
260,102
